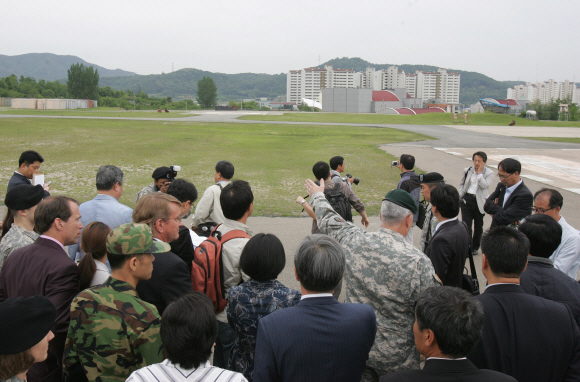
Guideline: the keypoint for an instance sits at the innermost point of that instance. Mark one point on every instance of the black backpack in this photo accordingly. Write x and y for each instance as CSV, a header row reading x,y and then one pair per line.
x,y
338,202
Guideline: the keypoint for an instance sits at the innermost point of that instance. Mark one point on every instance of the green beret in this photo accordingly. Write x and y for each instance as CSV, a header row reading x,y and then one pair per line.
x,y
402,198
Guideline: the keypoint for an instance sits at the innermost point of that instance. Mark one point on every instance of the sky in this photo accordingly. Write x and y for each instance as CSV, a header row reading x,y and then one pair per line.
x,y
526,40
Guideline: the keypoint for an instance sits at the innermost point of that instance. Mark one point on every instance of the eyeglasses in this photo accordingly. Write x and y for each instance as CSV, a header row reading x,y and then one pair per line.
x,y
541,210
505,176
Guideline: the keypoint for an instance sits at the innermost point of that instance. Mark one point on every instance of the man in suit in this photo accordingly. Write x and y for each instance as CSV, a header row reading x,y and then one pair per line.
x,y
28,164
44,268
105,207
448,323
512,200
451,241
525,336
319,339
171,278
473,193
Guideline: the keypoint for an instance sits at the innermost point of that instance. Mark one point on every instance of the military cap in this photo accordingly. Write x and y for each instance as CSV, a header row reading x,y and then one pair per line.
x,y
24,322
134,239
402,198
431,177
24,196
161,172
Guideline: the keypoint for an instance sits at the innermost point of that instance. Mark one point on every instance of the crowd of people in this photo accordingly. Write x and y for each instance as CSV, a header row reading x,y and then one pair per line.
x,y
139,296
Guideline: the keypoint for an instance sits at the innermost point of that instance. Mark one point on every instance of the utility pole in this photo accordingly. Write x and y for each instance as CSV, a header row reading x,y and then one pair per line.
x,y
242,104
134,102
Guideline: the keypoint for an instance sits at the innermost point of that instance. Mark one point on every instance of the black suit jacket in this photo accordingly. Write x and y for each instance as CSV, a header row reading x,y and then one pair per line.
x,y
170,279
448,251
437,370
43,268
527,337
518,206
318,340
18,179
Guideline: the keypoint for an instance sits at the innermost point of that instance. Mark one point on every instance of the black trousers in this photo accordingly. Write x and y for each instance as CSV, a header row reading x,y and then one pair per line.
x,y
470,214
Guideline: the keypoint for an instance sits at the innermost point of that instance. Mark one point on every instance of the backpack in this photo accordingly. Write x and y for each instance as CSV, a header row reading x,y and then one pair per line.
x,y
207,275
338,201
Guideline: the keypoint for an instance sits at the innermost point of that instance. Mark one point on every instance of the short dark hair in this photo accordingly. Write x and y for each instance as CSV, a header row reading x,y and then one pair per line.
x,y
236,198
480,154
263,257
556,199
321,170
108,176
189,329
182,190
225,168
454,316
13,364
50,209
544,234
117,261
319,263
506,250
29,157
436,184
336,161
408,161
510,165
446,199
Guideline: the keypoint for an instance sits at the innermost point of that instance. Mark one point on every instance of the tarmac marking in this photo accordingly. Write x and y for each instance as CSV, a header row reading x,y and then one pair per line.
x,y
574,190
537,178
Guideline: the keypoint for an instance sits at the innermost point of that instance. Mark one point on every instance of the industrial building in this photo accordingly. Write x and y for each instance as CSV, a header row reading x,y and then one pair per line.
x,y
52,104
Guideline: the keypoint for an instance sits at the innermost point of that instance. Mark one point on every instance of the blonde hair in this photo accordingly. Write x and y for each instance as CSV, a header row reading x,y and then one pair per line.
x,y
152,207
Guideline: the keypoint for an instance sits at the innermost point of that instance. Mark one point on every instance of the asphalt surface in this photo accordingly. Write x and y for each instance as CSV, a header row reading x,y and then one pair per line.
x,y
544,164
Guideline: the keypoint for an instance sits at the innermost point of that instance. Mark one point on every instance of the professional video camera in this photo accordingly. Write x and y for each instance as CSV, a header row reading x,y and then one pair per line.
x,y
173,172
355,180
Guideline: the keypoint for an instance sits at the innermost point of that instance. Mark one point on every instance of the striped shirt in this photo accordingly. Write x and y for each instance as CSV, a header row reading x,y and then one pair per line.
x,y
167,371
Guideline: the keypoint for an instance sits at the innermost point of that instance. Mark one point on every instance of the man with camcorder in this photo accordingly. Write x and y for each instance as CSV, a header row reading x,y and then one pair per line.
x,y
338,166
162,178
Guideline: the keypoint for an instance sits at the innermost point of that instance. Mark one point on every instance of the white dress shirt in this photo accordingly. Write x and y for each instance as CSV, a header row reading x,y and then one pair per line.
x,y
567,256
443,222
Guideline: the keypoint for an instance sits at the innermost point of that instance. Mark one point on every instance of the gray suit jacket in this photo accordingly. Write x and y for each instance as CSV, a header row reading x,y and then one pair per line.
x,y
484,182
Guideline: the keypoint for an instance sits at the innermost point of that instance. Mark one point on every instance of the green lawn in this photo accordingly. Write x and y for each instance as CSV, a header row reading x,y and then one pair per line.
x,y
486,119
554,139
275,159
101,112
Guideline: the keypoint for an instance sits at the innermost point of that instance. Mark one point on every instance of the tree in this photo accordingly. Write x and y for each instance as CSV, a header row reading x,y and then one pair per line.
x,y
206,93
83,82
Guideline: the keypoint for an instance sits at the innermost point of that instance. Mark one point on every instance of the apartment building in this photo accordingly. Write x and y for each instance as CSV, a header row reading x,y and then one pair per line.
x,y
545,91
306,83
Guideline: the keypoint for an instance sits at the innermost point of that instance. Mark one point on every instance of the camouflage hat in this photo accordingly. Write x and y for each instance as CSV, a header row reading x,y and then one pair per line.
x,y
134,239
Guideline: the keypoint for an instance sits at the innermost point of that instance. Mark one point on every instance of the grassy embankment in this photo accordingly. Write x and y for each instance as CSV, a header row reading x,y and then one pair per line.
x,y
275,159
483,119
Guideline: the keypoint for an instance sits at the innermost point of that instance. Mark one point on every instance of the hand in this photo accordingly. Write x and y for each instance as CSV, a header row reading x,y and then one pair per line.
x,y
312,188
496,201
477,168
164,187
46,187
350,180
365,221
300,200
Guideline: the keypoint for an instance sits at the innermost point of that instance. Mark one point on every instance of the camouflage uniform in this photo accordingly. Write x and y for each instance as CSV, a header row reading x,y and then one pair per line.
x,y
146,190
16,237
387,273
428,229
112,332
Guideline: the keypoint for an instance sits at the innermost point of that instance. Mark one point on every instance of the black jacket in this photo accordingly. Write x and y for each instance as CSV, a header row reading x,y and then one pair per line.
x,y
438,370
527,337
518,206
170,280
183,247
448,251
18,179
542,279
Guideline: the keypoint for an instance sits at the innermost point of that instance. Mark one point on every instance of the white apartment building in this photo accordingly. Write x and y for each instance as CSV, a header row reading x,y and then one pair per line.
x,y
545,91
306,83
440,86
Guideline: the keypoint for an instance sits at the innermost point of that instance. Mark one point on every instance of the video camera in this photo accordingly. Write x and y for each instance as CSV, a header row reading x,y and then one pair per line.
x,y
394,163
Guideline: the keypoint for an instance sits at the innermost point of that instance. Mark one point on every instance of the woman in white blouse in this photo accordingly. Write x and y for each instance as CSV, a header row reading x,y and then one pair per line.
x,y
92,267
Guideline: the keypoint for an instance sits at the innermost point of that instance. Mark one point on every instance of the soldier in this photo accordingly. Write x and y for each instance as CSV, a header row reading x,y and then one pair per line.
x,y
112,331
384,271
161,182
428,182
19,223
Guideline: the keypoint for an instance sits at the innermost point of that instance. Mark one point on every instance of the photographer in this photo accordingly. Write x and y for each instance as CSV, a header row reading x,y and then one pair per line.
x,y
409,182
338,166
162,178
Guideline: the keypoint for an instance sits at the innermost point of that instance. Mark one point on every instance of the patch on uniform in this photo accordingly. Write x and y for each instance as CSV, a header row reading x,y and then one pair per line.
x,y
340,220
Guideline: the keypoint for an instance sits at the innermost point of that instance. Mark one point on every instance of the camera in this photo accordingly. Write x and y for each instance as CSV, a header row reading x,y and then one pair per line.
x,y
173,172
394,163
355,180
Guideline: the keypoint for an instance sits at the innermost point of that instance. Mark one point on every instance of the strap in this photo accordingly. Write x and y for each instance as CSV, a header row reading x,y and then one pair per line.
x,y
465,175
471,262
234,234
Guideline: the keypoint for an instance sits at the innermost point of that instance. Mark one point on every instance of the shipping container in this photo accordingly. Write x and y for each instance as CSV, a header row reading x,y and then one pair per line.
x,y
24,103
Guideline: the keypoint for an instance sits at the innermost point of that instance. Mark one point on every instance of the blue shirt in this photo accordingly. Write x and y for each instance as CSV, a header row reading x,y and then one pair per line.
x,y
508,192
103,208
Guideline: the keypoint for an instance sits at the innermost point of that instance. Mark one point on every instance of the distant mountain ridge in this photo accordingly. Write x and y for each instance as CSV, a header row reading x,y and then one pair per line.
x,y
48,66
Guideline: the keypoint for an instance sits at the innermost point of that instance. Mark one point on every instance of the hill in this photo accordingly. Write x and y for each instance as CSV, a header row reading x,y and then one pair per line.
x,y
48,66
473,85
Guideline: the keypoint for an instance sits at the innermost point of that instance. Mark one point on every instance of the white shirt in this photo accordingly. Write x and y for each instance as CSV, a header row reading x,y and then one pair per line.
x,y
443,222
567,256
101,274
509,191
474,182
315,295
168,372
490,285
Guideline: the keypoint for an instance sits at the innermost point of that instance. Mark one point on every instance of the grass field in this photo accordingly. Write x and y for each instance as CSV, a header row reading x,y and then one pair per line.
x,y
100,112
554,139
484,119
275,159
